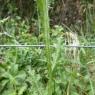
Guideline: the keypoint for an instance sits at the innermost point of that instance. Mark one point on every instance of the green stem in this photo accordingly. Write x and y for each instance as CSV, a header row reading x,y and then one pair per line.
x,y
43,16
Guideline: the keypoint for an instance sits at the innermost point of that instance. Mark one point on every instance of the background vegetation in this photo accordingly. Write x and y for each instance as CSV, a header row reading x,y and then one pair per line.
x,y
39,70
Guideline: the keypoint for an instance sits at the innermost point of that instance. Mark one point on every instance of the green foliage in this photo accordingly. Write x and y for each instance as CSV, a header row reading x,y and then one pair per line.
x,y
31,71
23,70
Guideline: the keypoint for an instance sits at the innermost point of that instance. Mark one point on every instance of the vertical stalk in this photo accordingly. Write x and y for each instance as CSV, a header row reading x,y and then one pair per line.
x,y
42,6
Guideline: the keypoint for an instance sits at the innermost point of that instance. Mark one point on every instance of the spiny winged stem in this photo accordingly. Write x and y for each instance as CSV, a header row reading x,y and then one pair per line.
x,y
42,6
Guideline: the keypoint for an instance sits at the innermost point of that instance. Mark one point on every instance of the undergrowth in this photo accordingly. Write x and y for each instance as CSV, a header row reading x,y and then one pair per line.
x,y
43,70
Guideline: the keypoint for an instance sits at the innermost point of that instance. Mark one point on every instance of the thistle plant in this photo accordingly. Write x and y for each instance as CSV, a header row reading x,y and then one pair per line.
x,y
42,6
